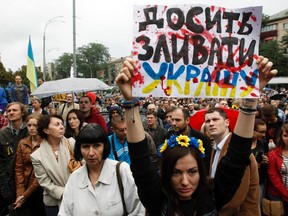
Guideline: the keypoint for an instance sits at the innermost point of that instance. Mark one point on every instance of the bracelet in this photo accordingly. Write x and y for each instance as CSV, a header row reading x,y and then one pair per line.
x,y
248,103
130,104
248,110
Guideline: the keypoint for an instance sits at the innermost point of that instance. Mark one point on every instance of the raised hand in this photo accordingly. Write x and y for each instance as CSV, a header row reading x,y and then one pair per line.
x,y
124,78
265,72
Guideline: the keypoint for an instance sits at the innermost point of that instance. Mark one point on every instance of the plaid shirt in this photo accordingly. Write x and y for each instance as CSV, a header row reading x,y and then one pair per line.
x,y
3,121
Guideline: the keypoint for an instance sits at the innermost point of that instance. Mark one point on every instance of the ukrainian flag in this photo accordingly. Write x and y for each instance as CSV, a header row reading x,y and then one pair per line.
x,y
31,69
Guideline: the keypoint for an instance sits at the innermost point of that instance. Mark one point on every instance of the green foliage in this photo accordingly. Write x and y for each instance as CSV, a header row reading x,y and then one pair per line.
x,y
63,66
284,44
274,53
265,20
5,76
90,59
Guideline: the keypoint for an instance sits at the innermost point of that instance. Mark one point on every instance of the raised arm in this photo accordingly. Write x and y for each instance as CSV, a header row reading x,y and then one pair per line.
x,y
135,131
245,122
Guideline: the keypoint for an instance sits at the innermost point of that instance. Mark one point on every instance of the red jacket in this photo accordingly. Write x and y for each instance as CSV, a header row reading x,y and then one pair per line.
x,y
276,186
97,118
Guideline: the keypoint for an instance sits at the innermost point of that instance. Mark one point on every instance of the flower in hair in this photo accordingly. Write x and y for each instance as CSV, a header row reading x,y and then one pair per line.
x,y
184,141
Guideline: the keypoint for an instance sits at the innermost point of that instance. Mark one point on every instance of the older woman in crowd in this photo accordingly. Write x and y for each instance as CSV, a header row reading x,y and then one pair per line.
x,y
51,160
93,189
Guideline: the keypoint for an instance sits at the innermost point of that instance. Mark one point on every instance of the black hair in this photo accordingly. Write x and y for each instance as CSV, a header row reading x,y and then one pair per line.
x,y
221,112
69,132
91,133
168,161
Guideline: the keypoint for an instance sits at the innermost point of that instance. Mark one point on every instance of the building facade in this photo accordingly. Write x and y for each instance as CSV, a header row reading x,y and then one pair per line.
x,y
276,27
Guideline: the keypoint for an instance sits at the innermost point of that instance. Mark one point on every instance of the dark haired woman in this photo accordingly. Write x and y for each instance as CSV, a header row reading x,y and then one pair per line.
x,y
50,162
93,188
74,123
278,171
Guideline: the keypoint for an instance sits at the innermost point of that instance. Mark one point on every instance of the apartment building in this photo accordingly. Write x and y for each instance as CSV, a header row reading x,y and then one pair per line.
x,y
276,27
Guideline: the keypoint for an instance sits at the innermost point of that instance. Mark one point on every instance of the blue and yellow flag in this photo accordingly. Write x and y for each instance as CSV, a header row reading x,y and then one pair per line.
x,y
31,69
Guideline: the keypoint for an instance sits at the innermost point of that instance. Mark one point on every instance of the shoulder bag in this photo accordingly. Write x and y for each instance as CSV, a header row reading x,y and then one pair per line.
x,y
270,207
121,187
73,164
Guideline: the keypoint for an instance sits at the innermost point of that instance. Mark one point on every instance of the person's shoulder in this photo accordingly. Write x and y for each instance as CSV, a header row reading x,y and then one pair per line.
x,y
36,155
44,112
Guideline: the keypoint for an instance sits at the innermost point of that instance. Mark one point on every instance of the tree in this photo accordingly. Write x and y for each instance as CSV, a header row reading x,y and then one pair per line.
x,y
5,76
284,44
63,66
265,20
273,52
90,59
93,58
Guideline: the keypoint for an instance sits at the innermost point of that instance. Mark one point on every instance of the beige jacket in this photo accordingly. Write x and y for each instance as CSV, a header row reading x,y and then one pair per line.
x,y
51,174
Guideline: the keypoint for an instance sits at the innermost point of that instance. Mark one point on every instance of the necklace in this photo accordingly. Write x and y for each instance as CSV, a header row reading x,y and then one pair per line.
x,y
56,152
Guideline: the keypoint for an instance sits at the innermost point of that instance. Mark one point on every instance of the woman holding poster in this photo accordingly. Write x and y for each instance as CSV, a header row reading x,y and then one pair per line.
x,y
182,187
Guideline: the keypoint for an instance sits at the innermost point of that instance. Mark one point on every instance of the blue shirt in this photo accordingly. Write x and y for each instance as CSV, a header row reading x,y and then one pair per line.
x,y
120,149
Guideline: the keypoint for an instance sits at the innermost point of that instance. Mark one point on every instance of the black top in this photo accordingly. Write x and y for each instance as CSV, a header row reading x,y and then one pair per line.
x,y
149,186
261,149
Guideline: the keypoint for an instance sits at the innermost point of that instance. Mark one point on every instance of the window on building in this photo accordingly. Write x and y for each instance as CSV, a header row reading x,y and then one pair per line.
x,y
285,26
269,28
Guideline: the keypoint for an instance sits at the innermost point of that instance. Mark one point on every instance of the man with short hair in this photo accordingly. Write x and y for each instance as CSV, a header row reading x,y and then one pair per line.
x,y
9,139
36,106
156,132
223,103
67,106
19,91
240,171
191,109
152,107
90,113
168,115
118,142
273,123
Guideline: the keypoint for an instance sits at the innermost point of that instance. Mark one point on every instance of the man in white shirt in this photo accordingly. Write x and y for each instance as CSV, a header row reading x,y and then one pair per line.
x,y
67,106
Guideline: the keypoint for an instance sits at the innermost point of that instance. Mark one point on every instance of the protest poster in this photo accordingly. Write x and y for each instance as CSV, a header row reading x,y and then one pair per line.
x,y
196,51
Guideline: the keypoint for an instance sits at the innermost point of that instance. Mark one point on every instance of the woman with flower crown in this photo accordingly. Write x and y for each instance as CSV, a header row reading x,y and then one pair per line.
x,y
183,188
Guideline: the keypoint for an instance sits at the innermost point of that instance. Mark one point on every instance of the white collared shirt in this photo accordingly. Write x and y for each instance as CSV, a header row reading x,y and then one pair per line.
x,y
80,198
218,148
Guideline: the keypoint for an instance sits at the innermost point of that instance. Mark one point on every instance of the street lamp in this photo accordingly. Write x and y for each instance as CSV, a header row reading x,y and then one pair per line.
x,y
54,19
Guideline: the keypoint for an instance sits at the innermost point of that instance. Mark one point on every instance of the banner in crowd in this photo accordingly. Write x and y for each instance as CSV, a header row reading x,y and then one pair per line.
x,y
196,51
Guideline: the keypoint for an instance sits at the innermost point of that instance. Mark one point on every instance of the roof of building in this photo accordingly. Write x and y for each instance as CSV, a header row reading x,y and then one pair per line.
x,y
280,15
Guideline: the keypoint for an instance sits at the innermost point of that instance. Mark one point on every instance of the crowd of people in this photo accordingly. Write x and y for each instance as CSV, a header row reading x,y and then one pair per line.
x,y
167,166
